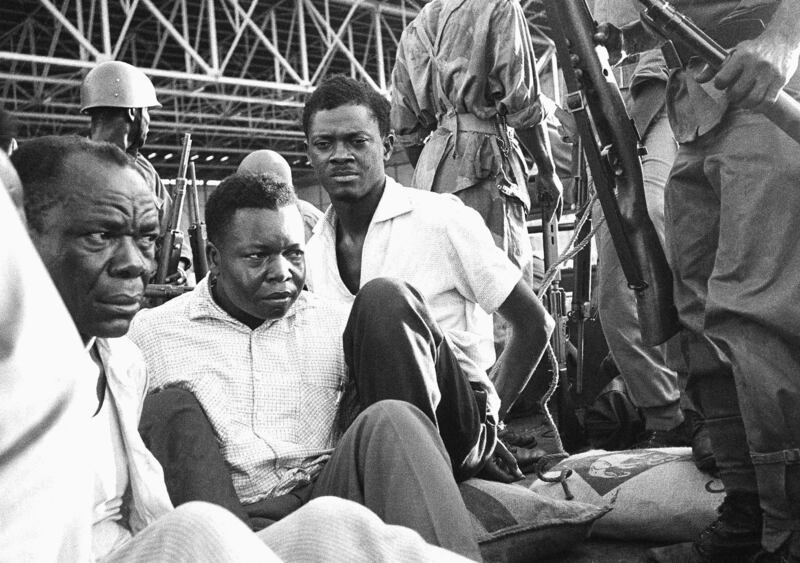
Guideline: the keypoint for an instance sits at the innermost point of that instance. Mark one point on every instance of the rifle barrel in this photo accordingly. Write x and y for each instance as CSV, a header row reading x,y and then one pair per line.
x,y
197,229
173,237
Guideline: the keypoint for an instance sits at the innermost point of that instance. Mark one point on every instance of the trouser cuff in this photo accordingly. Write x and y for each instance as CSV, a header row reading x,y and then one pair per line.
x,y
663,417
778,475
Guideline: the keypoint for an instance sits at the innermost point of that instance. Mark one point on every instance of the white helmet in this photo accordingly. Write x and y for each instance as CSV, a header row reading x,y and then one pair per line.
x,y
117,84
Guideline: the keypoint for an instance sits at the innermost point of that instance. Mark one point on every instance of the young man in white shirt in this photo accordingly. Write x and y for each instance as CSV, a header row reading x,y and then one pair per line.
x,y
378,228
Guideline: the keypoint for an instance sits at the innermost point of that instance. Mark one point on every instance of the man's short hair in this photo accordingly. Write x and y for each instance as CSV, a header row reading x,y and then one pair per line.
x,y
40,164
244,191
339,90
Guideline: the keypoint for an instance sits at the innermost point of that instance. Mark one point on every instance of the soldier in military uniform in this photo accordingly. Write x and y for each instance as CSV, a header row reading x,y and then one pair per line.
x,y
117,96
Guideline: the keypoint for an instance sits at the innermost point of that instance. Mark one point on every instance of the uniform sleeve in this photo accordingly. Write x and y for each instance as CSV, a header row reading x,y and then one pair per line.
x,y
413,115
483,272
512,80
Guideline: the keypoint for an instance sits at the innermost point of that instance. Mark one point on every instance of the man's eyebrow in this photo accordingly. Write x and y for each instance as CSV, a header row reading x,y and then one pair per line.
x,y
101,219
148,225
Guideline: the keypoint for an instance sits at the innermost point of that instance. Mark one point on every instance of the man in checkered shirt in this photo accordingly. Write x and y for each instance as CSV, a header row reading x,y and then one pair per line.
x,y
266,362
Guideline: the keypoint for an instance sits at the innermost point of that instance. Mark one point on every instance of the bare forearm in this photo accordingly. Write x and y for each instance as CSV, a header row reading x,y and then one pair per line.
x,y
531,327
516,364
547,189
785,24
756,69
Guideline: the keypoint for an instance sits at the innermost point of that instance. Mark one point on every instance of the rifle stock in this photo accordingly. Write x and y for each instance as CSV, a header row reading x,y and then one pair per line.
x,y
674,26
172,242
611,146
162,291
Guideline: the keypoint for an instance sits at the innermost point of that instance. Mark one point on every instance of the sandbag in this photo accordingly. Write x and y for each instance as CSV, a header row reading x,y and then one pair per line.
x,y
655,494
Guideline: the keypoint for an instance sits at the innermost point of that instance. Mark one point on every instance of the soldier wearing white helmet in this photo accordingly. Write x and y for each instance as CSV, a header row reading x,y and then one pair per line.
x,y
117,96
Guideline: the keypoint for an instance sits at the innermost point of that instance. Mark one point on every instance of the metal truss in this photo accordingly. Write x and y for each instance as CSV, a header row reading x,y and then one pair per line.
x,y
233,72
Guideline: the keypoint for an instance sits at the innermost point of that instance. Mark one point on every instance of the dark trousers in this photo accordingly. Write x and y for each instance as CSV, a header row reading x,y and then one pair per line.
x,y
394,349
417,422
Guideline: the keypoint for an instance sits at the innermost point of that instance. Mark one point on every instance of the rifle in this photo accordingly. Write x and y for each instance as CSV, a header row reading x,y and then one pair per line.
x,y
197,230
612,149
582,265
161,292
555,301
675,27
172,242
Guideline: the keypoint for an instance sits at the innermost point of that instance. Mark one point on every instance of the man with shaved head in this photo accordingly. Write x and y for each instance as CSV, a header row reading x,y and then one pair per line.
x,y
276,168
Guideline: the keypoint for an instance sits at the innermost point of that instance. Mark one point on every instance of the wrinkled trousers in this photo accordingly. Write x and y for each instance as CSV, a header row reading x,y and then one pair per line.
x,y
732,214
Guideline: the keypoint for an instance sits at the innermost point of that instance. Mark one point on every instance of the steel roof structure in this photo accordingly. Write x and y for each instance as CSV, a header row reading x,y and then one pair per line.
x,y
234,73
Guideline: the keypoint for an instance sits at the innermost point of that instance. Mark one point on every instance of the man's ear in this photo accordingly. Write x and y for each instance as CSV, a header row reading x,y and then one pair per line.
x,y
212,255
131,115
388,146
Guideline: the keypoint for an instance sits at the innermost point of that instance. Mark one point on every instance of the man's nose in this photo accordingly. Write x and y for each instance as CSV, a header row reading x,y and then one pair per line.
x,y
341,152
279,270
129,261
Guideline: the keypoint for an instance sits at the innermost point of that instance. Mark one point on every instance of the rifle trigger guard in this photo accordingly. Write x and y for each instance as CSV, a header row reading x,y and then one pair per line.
x,y
640,285
576,101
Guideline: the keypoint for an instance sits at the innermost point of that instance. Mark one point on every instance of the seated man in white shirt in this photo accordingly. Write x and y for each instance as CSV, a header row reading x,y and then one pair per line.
x,y
94,224
44,468
265,360
378,228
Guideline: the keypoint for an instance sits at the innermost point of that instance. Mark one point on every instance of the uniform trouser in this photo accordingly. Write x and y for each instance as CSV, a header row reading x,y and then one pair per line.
x,y
732,205
652,385
326,529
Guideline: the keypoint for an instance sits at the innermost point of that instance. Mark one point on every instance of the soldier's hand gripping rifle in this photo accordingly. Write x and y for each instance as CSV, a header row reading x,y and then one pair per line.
x,y
611,145
197,230
173,237
678,29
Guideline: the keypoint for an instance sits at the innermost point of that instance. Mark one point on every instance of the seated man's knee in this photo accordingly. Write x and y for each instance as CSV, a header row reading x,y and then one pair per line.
x,y
385,296
201,530
394,417
320,512
172,405
203,514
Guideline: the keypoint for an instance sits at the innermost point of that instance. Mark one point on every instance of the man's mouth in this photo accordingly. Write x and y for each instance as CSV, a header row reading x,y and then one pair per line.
x,y
280,297
122,303
122,299
344,176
